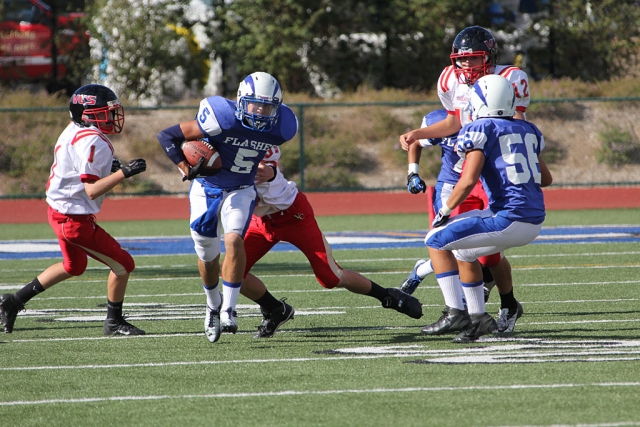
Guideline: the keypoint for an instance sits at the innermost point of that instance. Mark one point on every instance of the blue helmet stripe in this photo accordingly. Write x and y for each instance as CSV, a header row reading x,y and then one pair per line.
x,y
251,83
478,90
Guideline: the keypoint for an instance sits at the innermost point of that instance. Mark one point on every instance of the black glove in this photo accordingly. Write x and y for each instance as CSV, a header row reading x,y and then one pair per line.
x,y
199,171
415,184
134,167
440,219
116,165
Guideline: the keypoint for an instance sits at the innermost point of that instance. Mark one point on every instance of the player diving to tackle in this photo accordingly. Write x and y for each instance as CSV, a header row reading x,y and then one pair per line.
x,y
283,213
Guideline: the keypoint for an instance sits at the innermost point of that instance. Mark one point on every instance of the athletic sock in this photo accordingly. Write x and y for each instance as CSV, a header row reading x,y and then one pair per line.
x,y
30,290
268,302
449,283
508,301
474,294
114,310
489,283
377,291
230,293
214,299
424,269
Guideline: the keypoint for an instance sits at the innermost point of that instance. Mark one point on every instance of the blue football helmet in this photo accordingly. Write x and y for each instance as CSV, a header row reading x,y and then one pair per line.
x,y
259,99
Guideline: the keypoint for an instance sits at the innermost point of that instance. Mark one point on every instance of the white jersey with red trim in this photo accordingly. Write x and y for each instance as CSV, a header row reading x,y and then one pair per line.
x,y
82,154
278,194
454,94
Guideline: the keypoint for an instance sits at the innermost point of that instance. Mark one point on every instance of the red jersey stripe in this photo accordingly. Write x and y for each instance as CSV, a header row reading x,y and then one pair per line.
x,y
505,73
444,78
89,178
90,132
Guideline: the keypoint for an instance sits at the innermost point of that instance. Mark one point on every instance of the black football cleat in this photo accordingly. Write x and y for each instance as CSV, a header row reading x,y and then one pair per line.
x,y
452,320
10,305
481,324
272,321
403,303
120,327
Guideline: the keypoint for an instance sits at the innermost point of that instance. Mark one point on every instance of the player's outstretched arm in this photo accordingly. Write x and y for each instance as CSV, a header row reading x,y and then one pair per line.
x,y
97,188
441,129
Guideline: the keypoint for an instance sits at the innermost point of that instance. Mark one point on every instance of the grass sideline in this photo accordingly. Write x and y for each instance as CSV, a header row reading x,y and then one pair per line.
x,y
343,360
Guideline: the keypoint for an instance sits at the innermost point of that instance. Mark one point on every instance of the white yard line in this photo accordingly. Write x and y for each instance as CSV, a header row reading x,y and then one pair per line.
x,y
319,393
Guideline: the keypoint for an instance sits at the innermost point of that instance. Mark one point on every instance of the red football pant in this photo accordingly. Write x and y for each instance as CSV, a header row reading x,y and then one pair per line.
x,y
79,236
296,225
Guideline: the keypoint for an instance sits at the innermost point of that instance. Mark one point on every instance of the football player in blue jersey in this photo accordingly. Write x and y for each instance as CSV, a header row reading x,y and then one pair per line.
x,y
454,318
223,199
474,54
505,153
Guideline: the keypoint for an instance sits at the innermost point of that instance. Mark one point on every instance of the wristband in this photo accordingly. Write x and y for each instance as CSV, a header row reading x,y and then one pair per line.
x,y
413,168
444,210
171,140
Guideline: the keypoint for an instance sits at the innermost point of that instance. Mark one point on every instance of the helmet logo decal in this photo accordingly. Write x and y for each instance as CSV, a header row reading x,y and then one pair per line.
x,y
83,99
490,43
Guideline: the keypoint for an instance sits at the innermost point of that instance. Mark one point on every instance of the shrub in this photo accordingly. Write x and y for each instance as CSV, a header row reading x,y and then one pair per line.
x,y
618,147
553,152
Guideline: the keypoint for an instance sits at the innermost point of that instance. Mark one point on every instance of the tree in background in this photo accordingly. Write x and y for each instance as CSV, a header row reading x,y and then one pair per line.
x,y
142,50
329,46
149,50
265,35
586,40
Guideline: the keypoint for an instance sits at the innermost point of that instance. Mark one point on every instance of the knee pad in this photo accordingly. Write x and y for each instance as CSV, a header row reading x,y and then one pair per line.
x,y
127,266
207,248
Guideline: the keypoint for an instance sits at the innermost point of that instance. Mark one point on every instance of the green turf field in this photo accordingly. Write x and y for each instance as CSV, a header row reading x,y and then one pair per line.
x,y
343,360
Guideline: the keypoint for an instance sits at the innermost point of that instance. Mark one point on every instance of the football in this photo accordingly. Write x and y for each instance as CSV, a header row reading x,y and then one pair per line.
x,y
196,149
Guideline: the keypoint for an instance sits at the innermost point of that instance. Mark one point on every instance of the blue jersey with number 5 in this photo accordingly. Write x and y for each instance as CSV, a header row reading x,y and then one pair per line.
x,y
241,149
511,173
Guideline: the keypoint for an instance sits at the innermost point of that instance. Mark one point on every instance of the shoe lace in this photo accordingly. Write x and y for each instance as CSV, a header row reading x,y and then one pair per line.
x,y
124,322
231,312
212,318
445,314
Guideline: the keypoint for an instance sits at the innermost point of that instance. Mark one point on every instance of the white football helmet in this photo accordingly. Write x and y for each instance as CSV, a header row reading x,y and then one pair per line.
x,y
492,96
259,99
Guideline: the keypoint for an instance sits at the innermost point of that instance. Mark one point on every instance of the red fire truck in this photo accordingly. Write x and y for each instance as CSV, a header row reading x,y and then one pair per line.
x,y
27,51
